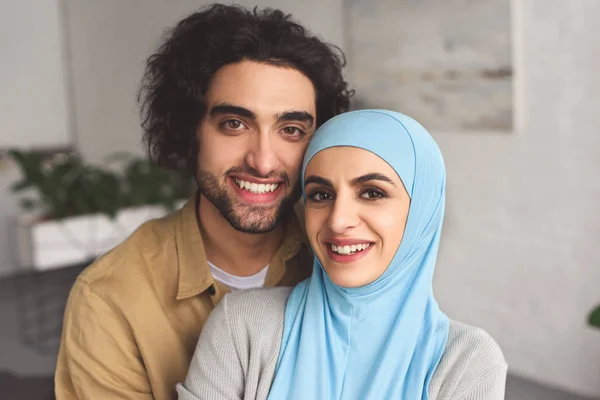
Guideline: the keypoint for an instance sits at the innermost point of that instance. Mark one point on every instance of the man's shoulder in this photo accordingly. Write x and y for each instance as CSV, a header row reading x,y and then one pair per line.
x,y
134,258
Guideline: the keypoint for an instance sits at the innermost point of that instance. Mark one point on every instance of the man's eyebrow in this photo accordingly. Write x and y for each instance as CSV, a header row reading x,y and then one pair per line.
x,y
301,116
373,176
226,108
318,180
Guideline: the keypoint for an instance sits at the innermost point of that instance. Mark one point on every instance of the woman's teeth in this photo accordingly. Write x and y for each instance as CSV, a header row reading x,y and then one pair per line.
x,y
256,188
348,250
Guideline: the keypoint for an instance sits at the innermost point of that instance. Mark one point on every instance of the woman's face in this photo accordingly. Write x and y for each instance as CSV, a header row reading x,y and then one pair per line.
x,y
356,211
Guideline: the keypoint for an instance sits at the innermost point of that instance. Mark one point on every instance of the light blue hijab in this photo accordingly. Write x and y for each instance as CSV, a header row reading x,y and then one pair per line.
x,y
383,340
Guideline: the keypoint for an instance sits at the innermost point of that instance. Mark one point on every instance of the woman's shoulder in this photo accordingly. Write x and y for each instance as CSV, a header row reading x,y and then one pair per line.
x,y
257,303
238,346
254,313
466,342
472,365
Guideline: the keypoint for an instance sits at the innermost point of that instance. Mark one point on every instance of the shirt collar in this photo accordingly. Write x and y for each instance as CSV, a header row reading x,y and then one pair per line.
x,y
194,273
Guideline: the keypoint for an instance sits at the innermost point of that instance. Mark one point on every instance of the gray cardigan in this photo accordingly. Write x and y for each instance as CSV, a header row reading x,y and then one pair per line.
x,y
238,349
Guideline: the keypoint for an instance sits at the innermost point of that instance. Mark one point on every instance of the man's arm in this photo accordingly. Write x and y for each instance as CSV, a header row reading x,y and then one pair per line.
x,y
98,358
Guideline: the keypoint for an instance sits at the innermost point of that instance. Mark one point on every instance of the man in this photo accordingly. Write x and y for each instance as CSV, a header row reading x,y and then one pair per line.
x,y
232,97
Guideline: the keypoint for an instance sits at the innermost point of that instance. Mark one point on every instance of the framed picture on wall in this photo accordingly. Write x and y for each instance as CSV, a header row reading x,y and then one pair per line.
x,y
447,63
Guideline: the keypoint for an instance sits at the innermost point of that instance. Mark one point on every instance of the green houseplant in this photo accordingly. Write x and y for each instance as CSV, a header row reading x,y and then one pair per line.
x,y
594,317
76,211
143,182
66,186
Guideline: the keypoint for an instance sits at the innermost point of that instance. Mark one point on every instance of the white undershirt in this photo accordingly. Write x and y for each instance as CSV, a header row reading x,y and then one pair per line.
x,y
239,282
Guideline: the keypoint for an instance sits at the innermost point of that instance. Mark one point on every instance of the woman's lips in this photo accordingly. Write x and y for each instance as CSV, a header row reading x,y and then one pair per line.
x,y
347,250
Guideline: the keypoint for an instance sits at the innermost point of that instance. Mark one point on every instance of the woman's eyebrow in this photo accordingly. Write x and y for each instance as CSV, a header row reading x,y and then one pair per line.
x,y
373,176
318,180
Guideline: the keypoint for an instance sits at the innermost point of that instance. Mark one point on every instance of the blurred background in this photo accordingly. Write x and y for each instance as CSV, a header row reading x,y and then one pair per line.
x,y
510,90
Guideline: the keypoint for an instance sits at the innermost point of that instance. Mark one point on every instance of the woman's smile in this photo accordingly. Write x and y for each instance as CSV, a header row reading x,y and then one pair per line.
x,y
345,250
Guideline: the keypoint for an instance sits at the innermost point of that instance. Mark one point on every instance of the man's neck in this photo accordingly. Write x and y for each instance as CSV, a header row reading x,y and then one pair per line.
x,y
237,253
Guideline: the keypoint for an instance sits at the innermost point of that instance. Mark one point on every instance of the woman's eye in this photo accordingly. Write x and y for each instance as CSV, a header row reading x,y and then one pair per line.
x,y
320,196
372,194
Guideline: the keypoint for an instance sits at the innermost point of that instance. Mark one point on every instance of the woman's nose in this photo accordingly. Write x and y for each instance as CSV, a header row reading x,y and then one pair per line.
x,y
344,215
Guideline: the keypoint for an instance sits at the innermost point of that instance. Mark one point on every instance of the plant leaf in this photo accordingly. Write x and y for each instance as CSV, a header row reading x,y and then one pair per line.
x,y
594,318
18,186
28,204
119,156
68,186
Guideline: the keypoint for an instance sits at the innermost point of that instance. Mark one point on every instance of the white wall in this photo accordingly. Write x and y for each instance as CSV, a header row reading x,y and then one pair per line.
x,y
520,253
33,103
109,42
34,93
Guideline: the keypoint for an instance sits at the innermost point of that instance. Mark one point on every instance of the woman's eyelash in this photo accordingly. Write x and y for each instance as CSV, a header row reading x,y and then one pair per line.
x,y
311,195
367,194
379,194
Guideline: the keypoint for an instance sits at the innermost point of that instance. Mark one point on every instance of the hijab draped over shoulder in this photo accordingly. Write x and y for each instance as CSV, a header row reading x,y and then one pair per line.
x,y
383,340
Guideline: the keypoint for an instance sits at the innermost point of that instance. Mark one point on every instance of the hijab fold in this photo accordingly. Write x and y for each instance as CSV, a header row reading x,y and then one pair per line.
x,y
383,340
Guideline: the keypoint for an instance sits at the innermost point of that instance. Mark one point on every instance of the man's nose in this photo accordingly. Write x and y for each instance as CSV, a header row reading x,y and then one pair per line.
x,y
262,156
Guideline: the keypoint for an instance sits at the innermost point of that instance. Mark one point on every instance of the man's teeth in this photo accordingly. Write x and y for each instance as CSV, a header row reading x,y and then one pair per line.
x,y
345,250
256,188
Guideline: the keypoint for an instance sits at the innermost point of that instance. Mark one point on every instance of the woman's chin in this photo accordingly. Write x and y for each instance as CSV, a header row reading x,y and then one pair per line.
x,y
343,276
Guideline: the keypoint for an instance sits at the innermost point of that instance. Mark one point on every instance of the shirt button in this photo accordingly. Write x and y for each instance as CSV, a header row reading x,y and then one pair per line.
x,y
211,290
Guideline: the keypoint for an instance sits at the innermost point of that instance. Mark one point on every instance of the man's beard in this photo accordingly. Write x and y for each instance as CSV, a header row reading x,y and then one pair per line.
x,y
242,217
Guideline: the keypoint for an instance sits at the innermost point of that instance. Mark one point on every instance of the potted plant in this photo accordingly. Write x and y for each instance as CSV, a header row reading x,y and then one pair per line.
x,y
78,211
594,317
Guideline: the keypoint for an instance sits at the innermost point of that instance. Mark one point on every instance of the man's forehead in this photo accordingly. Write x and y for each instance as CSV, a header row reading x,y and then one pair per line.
x,y
267,91
263,107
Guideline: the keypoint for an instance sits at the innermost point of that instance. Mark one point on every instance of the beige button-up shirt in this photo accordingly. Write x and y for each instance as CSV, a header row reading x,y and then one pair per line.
x,y
134,316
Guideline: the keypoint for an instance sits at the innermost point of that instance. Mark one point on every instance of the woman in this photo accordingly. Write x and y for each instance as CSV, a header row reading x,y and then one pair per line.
x,y
366,324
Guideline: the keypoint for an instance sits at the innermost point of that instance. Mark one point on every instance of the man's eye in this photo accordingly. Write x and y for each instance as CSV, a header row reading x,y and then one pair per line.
x,y
292,131
233,124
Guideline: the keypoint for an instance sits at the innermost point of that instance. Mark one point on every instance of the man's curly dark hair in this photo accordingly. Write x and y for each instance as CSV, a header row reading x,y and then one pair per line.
x,y
177,76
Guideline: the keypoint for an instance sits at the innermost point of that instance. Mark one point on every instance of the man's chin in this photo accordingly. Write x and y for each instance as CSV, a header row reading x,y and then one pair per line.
x,y
253,218
254,227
